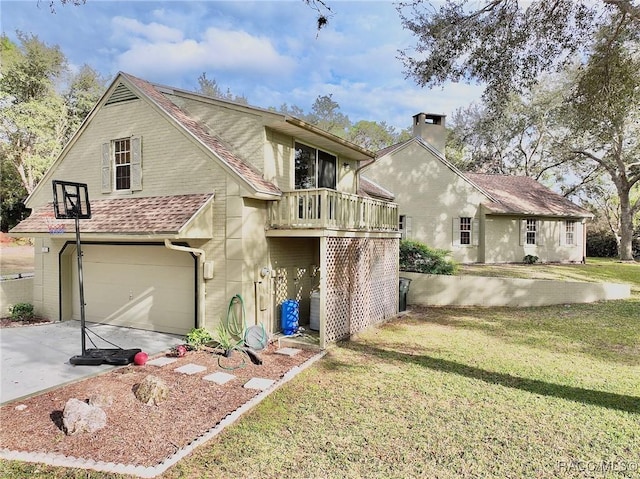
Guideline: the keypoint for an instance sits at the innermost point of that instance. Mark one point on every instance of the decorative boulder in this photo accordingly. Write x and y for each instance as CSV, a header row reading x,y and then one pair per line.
x,y
78,416
152,390
101,400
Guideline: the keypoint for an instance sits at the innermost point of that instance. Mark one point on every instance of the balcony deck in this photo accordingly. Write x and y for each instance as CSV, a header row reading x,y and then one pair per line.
x,y
329,209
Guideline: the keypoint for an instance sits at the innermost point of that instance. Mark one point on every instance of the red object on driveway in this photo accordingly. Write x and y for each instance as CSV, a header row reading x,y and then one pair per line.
x,y
140,358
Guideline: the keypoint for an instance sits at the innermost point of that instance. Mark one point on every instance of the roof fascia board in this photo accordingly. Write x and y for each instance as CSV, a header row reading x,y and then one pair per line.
x,y
195,216
329,136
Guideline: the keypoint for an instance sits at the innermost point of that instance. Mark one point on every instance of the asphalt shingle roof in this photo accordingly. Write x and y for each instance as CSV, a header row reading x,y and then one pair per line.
x,y
524,195
147,215
245,170
370,188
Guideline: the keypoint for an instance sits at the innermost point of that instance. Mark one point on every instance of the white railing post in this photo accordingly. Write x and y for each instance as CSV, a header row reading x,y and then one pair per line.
x,y
325,208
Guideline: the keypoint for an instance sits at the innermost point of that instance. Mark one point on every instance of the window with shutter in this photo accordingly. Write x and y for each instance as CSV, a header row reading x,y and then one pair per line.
x,y
475,232
570,233
106,168
465,231
136,163
121,165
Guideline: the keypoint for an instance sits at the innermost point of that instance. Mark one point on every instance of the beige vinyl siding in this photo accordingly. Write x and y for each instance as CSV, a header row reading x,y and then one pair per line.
x,y
279,154
172,164
242,131
279,159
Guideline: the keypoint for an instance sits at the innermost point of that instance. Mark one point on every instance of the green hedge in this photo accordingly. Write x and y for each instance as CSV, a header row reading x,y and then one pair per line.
x,y
419,258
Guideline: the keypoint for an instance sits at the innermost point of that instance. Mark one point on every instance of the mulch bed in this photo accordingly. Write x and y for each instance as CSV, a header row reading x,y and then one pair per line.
x,y
137,433
10,323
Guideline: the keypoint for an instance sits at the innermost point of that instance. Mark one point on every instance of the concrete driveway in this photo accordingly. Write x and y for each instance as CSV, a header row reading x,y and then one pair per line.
x,y
34,359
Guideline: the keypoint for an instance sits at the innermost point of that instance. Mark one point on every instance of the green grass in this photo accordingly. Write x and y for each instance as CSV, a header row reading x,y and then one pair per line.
x,y
447,393
595,269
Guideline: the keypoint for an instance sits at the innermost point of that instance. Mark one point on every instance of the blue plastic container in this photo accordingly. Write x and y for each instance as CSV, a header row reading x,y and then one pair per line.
x,y
289,316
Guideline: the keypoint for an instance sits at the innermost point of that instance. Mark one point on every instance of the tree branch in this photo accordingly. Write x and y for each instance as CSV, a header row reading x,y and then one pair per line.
x,y
625,6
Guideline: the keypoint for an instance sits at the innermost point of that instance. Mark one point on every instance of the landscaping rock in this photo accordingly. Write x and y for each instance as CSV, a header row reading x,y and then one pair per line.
x,y
78,416
152,390
101,400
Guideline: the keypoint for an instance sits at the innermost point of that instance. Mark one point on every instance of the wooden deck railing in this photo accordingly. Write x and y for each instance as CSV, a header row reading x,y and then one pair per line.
x,y
325,208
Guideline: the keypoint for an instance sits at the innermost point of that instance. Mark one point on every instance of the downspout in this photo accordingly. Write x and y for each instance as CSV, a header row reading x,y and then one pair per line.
x,y
201,289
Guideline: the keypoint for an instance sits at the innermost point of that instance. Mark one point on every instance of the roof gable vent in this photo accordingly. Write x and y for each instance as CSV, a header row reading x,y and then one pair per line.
x,y
120,94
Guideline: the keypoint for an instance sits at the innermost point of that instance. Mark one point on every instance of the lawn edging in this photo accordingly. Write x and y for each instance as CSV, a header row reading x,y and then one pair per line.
x,y
443,290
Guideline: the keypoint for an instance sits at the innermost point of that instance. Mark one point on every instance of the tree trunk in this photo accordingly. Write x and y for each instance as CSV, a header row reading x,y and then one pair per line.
x,y
625,249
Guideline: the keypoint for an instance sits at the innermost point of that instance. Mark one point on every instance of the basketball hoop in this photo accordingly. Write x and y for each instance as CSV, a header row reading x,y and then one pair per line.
x,y
71,201
55,227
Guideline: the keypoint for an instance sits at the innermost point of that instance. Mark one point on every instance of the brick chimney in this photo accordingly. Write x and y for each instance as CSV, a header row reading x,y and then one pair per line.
x,y
430,127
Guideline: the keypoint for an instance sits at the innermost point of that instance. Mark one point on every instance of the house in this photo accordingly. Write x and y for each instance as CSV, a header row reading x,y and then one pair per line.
x,y
197,200
479,218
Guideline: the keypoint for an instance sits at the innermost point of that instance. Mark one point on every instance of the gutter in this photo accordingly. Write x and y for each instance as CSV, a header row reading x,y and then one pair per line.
x,y
201,288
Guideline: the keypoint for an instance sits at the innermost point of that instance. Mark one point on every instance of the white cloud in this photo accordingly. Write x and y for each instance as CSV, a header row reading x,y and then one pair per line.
x,y
153,31
238,49
161,50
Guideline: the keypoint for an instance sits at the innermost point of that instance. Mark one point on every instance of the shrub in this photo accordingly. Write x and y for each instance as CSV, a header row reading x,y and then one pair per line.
x,y
530,259
21,311
601,244
419,258
198,337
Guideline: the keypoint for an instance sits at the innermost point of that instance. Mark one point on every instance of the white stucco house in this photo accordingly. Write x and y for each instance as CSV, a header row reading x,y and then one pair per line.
x,y
480,218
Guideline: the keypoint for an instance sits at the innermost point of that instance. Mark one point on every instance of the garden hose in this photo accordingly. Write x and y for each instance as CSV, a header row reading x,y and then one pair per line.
x,y
235,325
237,366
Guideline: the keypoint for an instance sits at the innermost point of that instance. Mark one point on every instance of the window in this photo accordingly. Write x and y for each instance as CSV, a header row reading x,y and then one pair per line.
x,y
465,230
122,165
314,168
570,232
404,227
531,231
122,162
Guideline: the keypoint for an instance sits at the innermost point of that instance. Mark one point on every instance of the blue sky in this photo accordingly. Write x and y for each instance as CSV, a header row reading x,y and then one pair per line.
x,y
268,51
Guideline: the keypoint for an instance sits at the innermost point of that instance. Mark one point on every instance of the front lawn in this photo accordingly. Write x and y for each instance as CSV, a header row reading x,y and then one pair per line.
x,y
550,392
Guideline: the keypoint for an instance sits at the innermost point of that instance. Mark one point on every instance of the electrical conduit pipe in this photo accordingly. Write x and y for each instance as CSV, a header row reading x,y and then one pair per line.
x,y
201,290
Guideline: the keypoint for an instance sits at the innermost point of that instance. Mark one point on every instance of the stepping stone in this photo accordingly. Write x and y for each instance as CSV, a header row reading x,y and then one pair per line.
x,y
259,383
219,378
162,361
288,351
190,369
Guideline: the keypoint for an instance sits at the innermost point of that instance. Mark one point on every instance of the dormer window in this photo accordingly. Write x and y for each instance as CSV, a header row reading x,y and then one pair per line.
x,y
314,168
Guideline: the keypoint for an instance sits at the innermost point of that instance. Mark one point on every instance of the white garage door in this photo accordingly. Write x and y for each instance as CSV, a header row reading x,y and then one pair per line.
x,y
143,286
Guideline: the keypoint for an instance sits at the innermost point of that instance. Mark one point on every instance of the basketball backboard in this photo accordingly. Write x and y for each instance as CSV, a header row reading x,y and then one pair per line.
x,y
71,200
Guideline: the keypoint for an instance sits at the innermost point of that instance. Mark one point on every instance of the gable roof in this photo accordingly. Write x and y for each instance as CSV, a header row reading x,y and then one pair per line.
x,y
372,189
524,195
152,215
246,171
